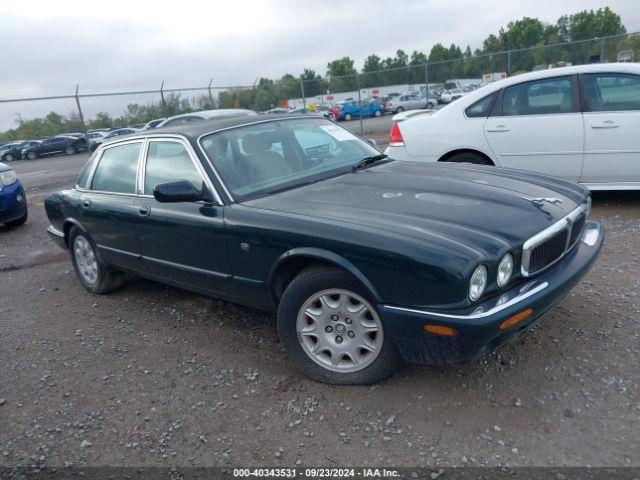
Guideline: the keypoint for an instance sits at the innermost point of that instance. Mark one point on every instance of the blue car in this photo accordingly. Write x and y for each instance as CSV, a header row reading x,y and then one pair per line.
x,y
356,109
13,201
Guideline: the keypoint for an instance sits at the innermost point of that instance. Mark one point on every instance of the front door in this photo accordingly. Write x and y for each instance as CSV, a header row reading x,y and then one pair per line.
x,y
107,205
538,127
611,128
182,243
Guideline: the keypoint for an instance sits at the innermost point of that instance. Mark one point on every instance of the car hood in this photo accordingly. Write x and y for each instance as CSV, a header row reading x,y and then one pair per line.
x,y
482,209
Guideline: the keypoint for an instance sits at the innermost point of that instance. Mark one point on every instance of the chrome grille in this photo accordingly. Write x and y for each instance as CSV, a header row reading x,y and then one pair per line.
x,y
547,247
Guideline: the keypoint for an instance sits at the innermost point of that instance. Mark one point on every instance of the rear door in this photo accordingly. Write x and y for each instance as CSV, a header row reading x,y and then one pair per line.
x,y
107,204
611,128
182,243
537,126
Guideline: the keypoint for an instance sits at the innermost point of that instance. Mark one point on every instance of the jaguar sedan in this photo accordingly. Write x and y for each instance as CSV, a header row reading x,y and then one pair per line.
x,y
367,261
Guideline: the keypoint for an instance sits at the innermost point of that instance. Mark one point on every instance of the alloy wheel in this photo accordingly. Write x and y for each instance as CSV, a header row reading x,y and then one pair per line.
x,y
85,259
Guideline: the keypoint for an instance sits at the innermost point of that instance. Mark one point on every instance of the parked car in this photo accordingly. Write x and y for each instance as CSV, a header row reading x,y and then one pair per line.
x,y
278,110
331,113
95,139
137,126
58,145
449,96
350,110
408,102
153,123
367,261
188,118
10,152
13,200
580,123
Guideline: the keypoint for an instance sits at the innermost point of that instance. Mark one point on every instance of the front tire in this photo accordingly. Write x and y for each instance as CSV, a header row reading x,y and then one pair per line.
x,y
377,113
32,155
399,110
347,117
330,328
8,157
93,273
70,150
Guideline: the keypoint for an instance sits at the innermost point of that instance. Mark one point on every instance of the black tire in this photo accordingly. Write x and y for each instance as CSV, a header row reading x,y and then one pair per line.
x,y
399,109
377,113
468,157
347,117
19,221
70,150
303,287
8,158
107,278
32,155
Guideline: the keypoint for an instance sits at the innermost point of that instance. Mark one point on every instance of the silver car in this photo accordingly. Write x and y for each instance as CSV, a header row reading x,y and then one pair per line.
x,y
408,102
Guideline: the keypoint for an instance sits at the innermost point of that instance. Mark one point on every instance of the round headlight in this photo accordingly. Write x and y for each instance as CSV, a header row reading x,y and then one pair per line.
x,y
505,269
478,283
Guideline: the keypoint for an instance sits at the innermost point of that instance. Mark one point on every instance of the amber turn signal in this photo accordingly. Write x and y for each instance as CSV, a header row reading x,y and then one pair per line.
x,y
440,330
518,317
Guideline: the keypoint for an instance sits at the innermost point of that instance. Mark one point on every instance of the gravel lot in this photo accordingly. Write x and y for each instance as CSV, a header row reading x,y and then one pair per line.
x,y
151,375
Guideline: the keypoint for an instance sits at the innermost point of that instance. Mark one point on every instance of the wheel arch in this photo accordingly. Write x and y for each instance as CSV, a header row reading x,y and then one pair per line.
x,y
294,261
448,155
67,225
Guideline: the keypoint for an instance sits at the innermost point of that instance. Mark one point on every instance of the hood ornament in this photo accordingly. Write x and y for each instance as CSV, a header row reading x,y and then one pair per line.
x,y
541,200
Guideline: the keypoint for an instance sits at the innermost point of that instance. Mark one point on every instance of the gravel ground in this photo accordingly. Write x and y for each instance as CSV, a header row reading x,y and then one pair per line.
x,y
152,375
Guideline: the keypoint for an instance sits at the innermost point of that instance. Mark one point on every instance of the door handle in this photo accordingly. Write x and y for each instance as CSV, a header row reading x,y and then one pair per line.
x,y
498,128
86,203
605,124
144,210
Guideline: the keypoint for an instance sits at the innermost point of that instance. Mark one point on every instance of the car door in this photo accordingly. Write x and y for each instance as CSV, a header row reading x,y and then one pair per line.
x,y
611,128
107,208
537,126
182,243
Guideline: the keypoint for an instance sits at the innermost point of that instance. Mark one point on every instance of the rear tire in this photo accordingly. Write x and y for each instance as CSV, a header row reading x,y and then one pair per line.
x,y
377,113
347,117
70,150
8,157
316,332
399,110
96,276
468,157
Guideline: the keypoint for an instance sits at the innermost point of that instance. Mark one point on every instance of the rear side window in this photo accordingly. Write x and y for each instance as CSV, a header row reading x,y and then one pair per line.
x,y
611,92
117,168
482,107
167,162
83,178
541,97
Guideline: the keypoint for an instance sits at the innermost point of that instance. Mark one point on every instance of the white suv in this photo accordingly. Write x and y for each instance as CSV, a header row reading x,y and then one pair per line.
x,y
580,123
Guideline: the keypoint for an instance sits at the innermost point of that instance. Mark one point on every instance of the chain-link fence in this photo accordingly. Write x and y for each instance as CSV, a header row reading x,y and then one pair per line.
x,y
425,78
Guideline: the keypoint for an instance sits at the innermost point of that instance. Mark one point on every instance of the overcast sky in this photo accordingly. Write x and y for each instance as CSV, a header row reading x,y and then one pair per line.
x,y
47,47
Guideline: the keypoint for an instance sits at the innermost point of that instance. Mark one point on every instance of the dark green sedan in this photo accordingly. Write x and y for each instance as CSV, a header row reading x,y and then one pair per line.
x,y
367,261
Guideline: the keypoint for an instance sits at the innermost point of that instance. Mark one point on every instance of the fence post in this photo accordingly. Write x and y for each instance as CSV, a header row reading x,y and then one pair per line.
x,y
359,103
210,94
79,108
304,100
164,103
426,81
602,59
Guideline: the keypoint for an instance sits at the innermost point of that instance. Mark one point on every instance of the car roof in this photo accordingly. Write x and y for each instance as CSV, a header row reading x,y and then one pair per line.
x,y
195,130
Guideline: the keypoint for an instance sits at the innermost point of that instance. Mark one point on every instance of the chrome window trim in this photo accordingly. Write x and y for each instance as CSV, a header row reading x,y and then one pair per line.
x,y
474,316
199,142
192,155
145,138
565,222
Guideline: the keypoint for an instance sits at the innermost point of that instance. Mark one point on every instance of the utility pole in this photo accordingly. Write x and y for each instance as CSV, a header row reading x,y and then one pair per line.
x,y
602,59
79,108
210,94
164,103
304,100
359,104
426,80
508,63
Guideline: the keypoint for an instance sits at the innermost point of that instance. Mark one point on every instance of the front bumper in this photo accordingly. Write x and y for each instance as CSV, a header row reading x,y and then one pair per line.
x,y
478,329
11,207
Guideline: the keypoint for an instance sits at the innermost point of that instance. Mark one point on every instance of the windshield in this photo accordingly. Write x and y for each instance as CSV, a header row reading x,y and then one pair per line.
x,y
272,156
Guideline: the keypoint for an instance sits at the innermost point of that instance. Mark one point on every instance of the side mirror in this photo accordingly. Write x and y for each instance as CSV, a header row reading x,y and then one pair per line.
x,y
179,191
372,142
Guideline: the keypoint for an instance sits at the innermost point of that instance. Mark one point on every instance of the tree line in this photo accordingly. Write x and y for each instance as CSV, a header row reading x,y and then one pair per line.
x,y
525,38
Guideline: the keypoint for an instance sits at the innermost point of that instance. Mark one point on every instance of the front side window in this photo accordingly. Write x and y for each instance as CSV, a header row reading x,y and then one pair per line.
x,y
169,161
482,107
271,156
541,97
611,92
117,168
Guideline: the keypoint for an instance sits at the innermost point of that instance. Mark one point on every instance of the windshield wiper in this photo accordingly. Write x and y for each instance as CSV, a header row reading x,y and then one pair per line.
x,y
368,161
